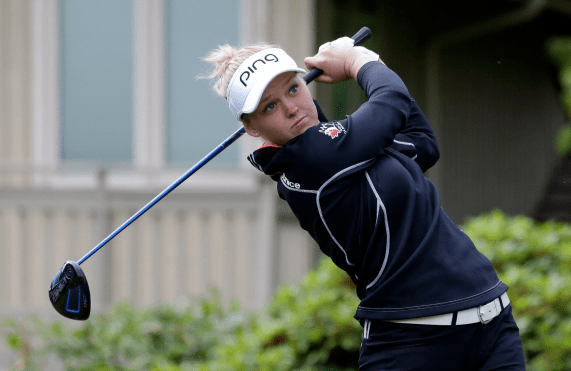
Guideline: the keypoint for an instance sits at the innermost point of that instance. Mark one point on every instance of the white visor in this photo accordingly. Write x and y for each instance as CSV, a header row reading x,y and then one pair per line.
x,y
253,76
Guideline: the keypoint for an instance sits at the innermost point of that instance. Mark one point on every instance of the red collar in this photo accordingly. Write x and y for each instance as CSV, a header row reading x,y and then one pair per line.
x,y
269,145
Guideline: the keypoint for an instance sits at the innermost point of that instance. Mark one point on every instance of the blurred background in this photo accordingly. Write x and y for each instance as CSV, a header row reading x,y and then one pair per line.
x,y
100,110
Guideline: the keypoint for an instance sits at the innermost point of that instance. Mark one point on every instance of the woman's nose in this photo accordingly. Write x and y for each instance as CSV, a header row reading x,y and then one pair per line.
x,y
291,109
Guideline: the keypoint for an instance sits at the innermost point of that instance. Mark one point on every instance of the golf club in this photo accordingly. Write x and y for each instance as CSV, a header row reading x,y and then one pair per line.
x,y
69,291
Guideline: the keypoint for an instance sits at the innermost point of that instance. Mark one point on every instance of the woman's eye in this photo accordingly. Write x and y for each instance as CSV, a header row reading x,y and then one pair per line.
x,y
269,107
294,88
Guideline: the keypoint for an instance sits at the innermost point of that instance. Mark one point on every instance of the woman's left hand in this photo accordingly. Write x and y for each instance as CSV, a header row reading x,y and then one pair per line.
x,y
339,62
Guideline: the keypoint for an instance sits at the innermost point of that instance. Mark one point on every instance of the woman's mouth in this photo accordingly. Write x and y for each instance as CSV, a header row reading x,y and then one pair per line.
x,y
297,122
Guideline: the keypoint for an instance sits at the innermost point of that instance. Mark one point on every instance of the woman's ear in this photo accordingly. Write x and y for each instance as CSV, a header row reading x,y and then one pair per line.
x,y
249,128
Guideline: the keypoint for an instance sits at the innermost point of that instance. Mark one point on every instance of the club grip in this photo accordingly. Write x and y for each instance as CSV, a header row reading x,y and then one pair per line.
x,y
360,37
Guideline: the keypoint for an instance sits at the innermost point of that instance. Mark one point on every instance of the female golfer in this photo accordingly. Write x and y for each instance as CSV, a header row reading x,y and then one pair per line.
x,y
429,299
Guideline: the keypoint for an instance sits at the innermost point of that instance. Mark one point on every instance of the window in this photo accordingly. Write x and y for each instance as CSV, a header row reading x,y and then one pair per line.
x,y
114,84
198,120
96,80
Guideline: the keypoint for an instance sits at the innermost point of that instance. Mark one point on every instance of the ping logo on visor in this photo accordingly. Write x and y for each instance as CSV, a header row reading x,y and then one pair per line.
x,y
244,76
253,76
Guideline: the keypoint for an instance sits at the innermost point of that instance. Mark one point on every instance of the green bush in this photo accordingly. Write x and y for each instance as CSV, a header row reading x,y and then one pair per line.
x,y
310,326
174,337
305,327
559,49
534,259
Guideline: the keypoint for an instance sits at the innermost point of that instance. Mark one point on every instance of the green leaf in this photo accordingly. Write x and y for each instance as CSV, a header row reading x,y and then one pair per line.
x,y
563,140
14,340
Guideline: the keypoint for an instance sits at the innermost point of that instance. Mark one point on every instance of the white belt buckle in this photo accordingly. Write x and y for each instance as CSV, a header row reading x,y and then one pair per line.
x,y
486,313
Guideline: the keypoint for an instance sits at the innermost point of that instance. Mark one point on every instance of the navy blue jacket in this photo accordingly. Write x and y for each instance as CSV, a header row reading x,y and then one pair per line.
x,y
358,187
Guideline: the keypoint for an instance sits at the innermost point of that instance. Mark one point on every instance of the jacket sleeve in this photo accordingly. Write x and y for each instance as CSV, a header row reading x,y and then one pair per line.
x,y
330,147
417,140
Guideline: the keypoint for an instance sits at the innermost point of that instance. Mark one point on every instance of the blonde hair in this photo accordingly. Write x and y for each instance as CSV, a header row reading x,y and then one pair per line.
x,y
226,60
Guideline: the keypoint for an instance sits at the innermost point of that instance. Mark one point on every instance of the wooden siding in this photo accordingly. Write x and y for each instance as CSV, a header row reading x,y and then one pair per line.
x,y
186,245
500,116
556,201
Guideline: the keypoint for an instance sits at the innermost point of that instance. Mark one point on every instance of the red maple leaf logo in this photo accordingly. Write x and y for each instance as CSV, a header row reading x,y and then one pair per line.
x,y
332,132
332,129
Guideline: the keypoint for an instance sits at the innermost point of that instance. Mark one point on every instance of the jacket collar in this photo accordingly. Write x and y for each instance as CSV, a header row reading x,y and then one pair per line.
x,y
263,158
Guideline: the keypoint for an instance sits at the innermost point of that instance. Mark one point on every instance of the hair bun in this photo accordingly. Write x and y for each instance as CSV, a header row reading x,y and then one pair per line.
x,y
226,59
221,58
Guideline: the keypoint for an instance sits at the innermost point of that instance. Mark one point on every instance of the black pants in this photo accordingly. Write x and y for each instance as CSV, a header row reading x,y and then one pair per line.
x,y
395,346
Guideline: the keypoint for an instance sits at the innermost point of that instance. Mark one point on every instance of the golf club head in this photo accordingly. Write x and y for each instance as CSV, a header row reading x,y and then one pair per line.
x,y
69,292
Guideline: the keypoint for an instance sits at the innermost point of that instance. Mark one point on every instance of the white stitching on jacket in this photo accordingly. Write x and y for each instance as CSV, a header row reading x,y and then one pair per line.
x,y
321,213
407,144
388,244
253,161
404,143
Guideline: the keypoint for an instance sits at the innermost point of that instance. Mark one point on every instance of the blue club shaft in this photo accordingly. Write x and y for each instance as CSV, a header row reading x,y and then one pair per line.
x,y
231,139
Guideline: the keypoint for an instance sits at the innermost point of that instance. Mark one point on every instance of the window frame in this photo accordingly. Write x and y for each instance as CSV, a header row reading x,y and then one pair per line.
x,y
149,167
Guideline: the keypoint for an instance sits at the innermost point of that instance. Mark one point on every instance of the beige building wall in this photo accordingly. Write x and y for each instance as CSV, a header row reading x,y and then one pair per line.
x,y
186,244
15,91
224,230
